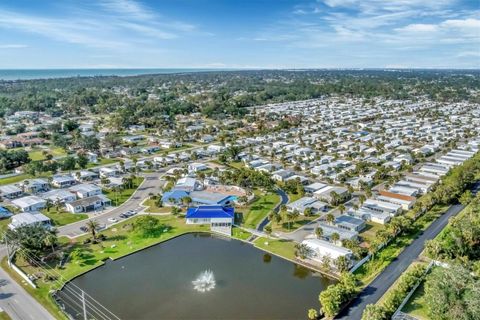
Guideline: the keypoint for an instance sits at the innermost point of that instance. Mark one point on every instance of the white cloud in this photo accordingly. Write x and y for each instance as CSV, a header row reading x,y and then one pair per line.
x,y
418,28
13,46
128,8
104,24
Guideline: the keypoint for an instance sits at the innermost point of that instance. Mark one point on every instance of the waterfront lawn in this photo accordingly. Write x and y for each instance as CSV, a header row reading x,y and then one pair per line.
x,y
281,247
60,217
123,195
259,209
121,240
240,234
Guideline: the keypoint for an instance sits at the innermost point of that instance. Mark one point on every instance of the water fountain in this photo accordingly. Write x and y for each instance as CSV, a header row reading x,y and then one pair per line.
x,y
204,282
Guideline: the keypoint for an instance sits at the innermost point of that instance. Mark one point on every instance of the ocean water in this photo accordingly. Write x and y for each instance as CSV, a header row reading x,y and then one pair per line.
x,y
29,74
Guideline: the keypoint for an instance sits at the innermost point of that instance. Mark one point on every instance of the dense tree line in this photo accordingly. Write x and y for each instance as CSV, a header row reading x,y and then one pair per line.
x,y
460,241
11,159
217,94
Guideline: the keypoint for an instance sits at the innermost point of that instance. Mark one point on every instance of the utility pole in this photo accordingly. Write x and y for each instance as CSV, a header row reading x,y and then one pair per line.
x,y
8,252
84,306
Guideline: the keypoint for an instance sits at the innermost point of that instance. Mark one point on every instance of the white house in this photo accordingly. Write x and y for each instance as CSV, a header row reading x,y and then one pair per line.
x,y
86,190
321,248
219,218
25,219
29,203
59,195
10,191
108,172
197,166
88,204
63,181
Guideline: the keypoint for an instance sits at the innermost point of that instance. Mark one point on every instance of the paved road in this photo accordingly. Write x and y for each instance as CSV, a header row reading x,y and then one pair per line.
x,y
373,292
284,200
151,184
15,301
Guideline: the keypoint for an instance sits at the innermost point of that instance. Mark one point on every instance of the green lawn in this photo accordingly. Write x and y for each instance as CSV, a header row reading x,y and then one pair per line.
x,y
61,217
236,165
41,294
285,226
371,228
416,305
102,162
124,194
14,179
37,154
259,209
292,197
281,247
240,234
153,208
4,316
4,225
121,240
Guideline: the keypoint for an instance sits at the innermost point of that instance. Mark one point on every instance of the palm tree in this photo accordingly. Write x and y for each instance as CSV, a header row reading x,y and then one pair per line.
x,y
92,226
51,240
341,208
335,237
48,204
362,199
335,198
186,201
319,232
330,218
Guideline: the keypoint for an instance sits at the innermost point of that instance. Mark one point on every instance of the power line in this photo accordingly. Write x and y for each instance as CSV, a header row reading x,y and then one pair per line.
x,y
67,288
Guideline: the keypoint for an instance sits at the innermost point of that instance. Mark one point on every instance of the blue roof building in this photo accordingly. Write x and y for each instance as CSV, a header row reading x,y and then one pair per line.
x,y
220,218
5,213
176,195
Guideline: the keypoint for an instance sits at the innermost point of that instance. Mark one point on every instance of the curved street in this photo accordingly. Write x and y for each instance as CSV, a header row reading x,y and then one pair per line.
x,y
284,200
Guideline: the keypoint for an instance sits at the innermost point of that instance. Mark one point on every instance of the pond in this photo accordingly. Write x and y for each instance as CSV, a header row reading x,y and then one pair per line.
x,y
199,276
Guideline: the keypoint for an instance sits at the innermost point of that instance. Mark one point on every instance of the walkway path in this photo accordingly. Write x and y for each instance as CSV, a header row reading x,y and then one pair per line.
x,y
375,290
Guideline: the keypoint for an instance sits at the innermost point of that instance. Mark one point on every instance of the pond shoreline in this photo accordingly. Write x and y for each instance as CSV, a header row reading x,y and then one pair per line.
x,y
243,270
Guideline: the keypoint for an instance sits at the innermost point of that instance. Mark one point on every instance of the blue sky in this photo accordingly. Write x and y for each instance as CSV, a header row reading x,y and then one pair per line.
x,y
240,34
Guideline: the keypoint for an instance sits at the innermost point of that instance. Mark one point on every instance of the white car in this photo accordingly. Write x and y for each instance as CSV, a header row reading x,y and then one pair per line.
x,y
112,220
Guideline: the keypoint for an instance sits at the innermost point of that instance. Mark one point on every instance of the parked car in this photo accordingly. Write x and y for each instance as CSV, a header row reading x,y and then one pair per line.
x,y
84,229
112,220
